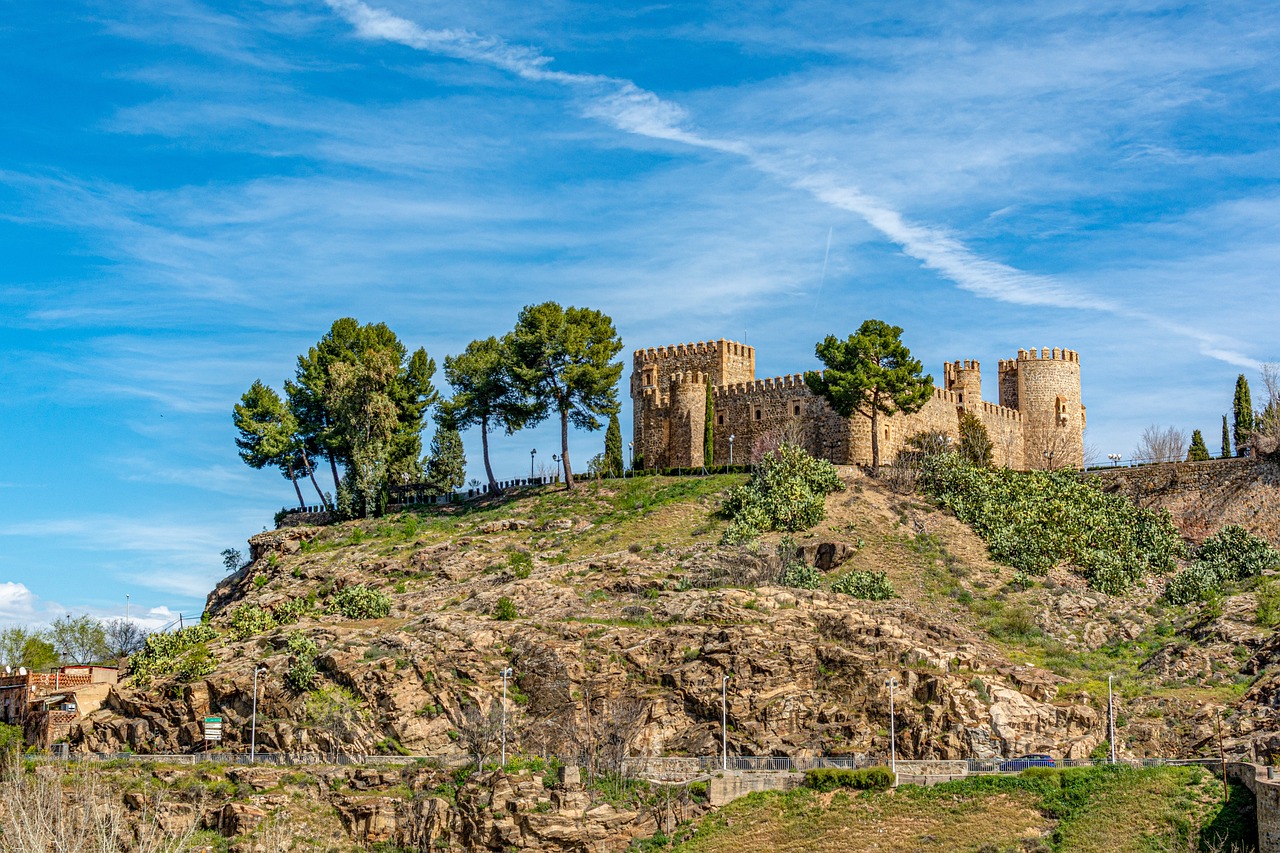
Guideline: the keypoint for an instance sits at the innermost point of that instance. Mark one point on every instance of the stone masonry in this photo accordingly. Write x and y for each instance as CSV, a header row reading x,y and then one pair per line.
x,y
1038,423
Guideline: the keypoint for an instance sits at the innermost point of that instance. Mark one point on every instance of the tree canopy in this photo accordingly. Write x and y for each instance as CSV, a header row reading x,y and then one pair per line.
x,y
485,393
563,363
1197,452
871,373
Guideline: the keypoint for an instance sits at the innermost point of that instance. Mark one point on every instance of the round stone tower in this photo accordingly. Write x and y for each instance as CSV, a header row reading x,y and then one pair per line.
x,y
688,402
1053,418
965,379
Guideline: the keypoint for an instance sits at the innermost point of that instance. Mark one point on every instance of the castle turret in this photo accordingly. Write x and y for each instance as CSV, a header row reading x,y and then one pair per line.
x,y
1044,386
688,419
725,362
965,379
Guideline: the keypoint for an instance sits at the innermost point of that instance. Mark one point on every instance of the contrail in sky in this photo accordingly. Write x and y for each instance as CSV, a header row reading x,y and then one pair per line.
x,y
631,109
825,256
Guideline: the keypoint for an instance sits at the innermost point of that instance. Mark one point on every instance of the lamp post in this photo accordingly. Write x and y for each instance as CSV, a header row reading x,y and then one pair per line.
x,y
893,729
730,450
126,607
555,461
1111,721
1048,455
1115,459
724,722
253,718
506,673
631,455
532,453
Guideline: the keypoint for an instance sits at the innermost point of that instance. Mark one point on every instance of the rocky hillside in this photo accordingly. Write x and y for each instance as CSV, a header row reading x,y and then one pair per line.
x,y
619,616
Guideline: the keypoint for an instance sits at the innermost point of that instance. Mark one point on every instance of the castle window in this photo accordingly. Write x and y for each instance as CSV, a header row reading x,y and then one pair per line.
x,y
720,420
886,433
757,414
797,410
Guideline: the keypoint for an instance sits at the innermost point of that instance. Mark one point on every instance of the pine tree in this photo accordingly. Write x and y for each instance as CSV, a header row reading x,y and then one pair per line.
x,y
1242,409
872,373
1197,452
708,431
613,448
1226,440
447,463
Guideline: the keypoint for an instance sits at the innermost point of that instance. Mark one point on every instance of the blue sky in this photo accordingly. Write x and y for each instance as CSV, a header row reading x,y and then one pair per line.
x,y
190,193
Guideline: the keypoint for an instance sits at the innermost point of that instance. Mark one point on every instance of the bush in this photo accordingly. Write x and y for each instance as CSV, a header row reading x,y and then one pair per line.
x,y
786,492
1232,554
800,575
291,610
162,653
361,602
249,620
505,610
873,586
1035,520
826,779
302,674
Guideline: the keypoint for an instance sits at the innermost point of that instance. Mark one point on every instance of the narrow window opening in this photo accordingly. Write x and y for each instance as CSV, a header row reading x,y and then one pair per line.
x,y
720,420
797,411
757,414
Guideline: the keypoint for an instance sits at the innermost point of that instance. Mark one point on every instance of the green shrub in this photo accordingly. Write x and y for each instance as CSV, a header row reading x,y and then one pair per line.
x,y
505,610
863,779
291,610
361,602
1237,553
1035,520
800,575
302,674
873,586
249,620
1232,554
786,492
162,651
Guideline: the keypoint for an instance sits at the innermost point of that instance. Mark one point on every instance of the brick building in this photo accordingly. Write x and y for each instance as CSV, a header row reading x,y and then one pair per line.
x,y
45,704
1038,422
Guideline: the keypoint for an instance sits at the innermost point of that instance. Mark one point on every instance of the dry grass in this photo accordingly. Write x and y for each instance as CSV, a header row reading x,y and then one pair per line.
x,y
78,812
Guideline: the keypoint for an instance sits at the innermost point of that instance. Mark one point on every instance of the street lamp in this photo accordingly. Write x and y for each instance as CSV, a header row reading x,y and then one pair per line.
x,y
532,453
893,728
1115,459
631,455
126,607
1048,455
724,723
730,450
1111,721
253,718
506,673
555,460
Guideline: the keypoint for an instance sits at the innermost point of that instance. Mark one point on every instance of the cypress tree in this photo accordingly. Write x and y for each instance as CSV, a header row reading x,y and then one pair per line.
x,y
708,432
1226,439
1197,452
447,462
613,448
1242,409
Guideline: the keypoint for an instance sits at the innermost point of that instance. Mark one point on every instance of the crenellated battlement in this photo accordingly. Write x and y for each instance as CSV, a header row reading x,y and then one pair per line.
x,y
1048,354
996,411
716,347
791,381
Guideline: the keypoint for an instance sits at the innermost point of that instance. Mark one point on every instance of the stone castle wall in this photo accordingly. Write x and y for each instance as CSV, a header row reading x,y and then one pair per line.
x,y
668,391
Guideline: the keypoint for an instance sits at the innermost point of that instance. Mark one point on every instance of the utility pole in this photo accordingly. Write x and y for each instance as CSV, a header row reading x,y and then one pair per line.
x,y
1111,720
506,673
253,719
724,723
893,729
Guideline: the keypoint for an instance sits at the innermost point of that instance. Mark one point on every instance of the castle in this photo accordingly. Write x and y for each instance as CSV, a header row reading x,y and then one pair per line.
x,y
1038,423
